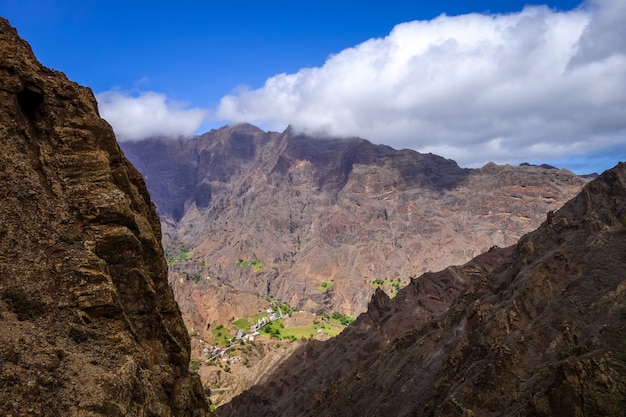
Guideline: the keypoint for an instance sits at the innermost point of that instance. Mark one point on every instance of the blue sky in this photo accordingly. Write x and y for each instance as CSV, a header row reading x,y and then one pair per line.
x,y
490,81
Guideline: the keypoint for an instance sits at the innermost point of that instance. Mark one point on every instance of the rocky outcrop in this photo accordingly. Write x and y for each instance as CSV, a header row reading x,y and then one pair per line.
x,y
316,210
533,329
89,326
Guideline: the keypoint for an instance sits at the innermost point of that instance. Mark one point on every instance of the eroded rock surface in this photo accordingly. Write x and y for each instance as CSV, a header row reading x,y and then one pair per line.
x,y
317,210
535,329
89,326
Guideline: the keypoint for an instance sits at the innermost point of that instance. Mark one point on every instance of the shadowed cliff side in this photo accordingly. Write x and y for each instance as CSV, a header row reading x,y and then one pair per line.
x,y
534,329
88,324
340,210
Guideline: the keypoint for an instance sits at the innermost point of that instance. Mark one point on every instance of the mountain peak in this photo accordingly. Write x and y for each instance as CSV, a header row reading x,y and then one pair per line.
x,y
322,209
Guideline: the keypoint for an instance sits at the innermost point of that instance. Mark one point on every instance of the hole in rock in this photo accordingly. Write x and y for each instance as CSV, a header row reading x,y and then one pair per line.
x,y
29,99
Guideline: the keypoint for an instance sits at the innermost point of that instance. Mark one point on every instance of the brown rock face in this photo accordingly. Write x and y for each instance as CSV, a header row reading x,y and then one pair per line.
x,y
535,329
316,210
88,324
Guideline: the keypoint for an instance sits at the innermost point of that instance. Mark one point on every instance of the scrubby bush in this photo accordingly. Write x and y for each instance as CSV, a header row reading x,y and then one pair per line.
x,y
343,319
194,365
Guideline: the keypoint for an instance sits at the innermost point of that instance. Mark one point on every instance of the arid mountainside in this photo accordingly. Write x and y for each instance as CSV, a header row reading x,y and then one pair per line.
x,y
316,222
535,329
88,323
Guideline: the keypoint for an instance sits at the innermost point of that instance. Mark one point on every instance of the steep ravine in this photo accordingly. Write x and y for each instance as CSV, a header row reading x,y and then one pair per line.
x,y
346,211
88,323
534,329
313,211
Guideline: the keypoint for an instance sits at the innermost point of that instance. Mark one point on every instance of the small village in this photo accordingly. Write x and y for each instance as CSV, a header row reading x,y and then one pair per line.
x,y
213,352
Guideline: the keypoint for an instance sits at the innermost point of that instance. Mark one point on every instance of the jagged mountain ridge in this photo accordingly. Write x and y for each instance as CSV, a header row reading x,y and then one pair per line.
x,y
88,323
537,328
318,210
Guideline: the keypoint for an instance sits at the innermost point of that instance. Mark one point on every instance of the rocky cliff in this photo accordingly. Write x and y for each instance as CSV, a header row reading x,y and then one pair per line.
x,y
89,326
343,212
535,329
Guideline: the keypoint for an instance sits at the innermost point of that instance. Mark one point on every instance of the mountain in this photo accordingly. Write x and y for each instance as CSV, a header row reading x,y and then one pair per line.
x,y
534,329
88,323
320,222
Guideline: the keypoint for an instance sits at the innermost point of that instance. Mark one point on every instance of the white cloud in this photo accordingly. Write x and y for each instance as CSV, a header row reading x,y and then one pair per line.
x,y
536,85
146,115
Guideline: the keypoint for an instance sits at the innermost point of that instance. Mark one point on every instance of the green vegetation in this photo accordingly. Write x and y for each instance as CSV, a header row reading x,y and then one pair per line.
x,y
282,307
181,256
277,330
221,336
342,319
331,325
624,221
377,283
242,323
256,264
337,318
325,285
274,328
394,284
194,365
258,316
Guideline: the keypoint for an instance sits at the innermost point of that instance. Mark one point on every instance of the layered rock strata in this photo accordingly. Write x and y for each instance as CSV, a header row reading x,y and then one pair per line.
x,y
535,329
88,324
321,210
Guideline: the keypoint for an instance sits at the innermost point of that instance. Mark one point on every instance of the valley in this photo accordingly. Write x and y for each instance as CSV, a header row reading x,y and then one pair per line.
x,y
243,272
536,328
314,222
251,217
